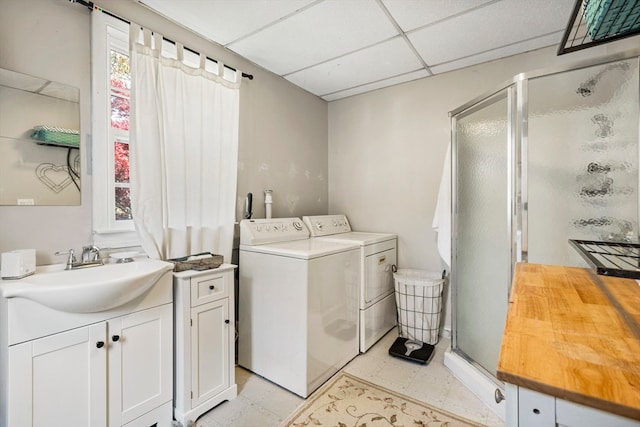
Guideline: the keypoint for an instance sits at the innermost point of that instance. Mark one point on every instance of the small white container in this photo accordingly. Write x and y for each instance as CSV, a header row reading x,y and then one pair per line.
x,y
18,264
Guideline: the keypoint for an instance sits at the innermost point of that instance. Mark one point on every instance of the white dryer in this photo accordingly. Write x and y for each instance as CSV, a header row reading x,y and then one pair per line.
x,y
378,252
298,303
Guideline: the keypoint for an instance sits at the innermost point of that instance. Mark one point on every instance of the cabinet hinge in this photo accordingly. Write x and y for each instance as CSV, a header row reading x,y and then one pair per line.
x,y
190,322
192,395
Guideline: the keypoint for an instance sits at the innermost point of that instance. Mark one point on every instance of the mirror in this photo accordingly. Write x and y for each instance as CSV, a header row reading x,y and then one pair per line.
x,y
39,141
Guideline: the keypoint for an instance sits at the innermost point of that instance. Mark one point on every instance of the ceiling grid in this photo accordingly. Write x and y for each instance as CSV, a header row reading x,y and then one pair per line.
x,y
340,48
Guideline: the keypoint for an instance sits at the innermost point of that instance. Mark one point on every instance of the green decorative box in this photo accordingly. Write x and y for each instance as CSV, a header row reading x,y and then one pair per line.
x,y
606,18
49,135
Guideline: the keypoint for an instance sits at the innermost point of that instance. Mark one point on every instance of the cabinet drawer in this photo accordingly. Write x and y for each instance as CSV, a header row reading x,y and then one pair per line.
x,y
209,288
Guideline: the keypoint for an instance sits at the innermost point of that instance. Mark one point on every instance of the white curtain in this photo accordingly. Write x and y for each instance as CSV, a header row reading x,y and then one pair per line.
x,y
183,152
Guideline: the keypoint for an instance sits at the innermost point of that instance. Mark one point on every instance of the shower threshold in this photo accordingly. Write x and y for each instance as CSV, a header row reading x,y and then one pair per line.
x,y
475,381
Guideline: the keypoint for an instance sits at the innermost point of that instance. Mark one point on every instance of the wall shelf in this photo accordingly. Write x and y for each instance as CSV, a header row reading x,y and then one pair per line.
x,y
617,259
612,20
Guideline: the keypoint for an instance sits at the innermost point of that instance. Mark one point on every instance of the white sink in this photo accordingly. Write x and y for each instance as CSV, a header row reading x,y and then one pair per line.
x,y
88,290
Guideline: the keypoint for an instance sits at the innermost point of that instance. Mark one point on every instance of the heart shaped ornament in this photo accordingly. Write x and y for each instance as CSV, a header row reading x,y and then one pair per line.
x,y
56,177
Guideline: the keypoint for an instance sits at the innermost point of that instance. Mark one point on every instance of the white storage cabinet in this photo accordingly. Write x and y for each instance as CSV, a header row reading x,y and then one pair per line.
x,y
528,408
107,369
204,337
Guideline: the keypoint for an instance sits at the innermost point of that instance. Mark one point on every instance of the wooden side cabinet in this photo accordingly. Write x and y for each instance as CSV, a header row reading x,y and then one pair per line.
x,y
204,341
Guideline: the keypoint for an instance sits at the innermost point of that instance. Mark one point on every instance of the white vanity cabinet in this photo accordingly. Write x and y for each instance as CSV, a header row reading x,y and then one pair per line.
x,y
106,369
204,341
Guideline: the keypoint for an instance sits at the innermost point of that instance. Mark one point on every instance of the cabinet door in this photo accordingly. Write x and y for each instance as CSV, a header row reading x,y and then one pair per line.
x,y
140,363
60,380
209,350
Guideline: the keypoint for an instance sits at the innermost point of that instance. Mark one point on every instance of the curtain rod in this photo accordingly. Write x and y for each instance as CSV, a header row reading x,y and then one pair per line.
x,y
89,5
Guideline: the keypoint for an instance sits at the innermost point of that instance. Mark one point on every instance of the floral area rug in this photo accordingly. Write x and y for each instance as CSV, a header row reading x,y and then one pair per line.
x,y
347,401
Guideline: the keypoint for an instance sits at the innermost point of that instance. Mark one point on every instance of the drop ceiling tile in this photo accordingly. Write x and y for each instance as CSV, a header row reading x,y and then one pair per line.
x,y
224,21
387,59
503,52
319,33
415,75
338,48
411,14
496,25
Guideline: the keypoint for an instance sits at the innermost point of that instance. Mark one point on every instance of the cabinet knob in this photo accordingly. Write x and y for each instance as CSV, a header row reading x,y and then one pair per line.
x,y
100,344
226,321
212,287
115,338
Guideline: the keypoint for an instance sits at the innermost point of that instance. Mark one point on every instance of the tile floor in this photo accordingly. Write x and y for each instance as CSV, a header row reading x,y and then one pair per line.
x,y
262,403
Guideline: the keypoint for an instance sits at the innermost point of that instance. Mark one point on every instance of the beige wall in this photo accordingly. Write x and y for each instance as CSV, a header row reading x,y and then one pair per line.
x,y
387,147
48,39
283,129
378,155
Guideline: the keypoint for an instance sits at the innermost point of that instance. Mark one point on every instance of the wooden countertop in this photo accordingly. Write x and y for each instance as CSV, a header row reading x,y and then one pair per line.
x,y
574,335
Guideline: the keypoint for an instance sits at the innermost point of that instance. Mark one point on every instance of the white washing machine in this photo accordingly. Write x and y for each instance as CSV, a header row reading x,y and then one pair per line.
x,y
378,252
298,303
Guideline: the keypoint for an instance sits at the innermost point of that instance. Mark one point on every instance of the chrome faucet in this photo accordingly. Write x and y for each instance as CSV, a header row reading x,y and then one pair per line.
x,y
90,258
90,254
71,260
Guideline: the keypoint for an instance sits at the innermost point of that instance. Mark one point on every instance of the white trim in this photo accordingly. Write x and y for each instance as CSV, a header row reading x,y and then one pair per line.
x,y
107,33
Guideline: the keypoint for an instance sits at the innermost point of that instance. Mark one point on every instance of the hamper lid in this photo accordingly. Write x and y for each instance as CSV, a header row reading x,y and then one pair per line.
x,y
420,277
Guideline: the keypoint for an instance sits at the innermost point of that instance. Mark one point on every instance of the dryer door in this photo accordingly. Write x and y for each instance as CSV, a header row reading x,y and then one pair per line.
x,y
378,274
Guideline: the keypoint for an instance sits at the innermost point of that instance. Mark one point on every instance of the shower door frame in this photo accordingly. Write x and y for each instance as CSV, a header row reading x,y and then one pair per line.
x,y
479,102
517,206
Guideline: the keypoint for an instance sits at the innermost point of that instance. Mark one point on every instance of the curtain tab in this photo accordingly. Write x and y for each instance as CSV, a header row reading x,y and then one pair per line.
x,y
146,37
179,52
134,34
157,42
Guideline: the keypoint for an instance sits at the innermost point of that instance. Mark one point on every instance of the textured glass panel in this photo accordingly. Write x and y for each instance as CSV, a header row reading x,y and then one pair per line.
x,y
482,246
582,160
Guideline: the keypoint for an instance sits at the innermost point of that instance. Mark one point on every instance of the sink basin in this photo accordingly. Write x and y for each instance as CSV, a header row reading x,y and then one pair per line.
x,y
89,290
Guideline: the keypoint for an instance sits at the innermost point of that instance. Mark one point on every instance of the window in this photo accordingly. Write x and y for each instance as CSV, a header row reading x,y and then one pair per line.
x,y
111,85
120,87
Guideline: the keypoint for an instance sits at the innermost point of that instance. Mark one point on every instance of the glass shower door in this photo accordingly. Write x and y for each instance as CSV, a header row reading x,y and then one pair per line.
x,y
481,224
582,160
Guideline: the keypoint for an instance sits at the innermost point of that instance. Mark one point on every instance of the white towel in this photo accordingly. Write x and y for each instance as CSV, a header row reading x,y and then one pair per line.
x,y
442,216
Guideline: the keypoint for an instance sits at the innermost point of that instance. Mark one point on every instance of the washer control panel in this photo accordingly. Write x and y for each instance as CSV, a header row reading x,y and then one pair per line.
x,y
325,225
272,230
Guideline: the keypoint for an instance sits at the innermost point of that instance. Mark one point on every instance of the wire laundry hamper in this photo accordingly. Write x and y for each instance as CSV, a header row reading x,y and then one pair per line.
x,y
419,304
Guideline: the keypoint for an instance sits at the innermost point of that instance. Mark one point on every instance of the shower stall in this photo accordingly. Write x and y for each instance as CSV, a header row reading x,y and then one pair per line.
x,y
547,157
